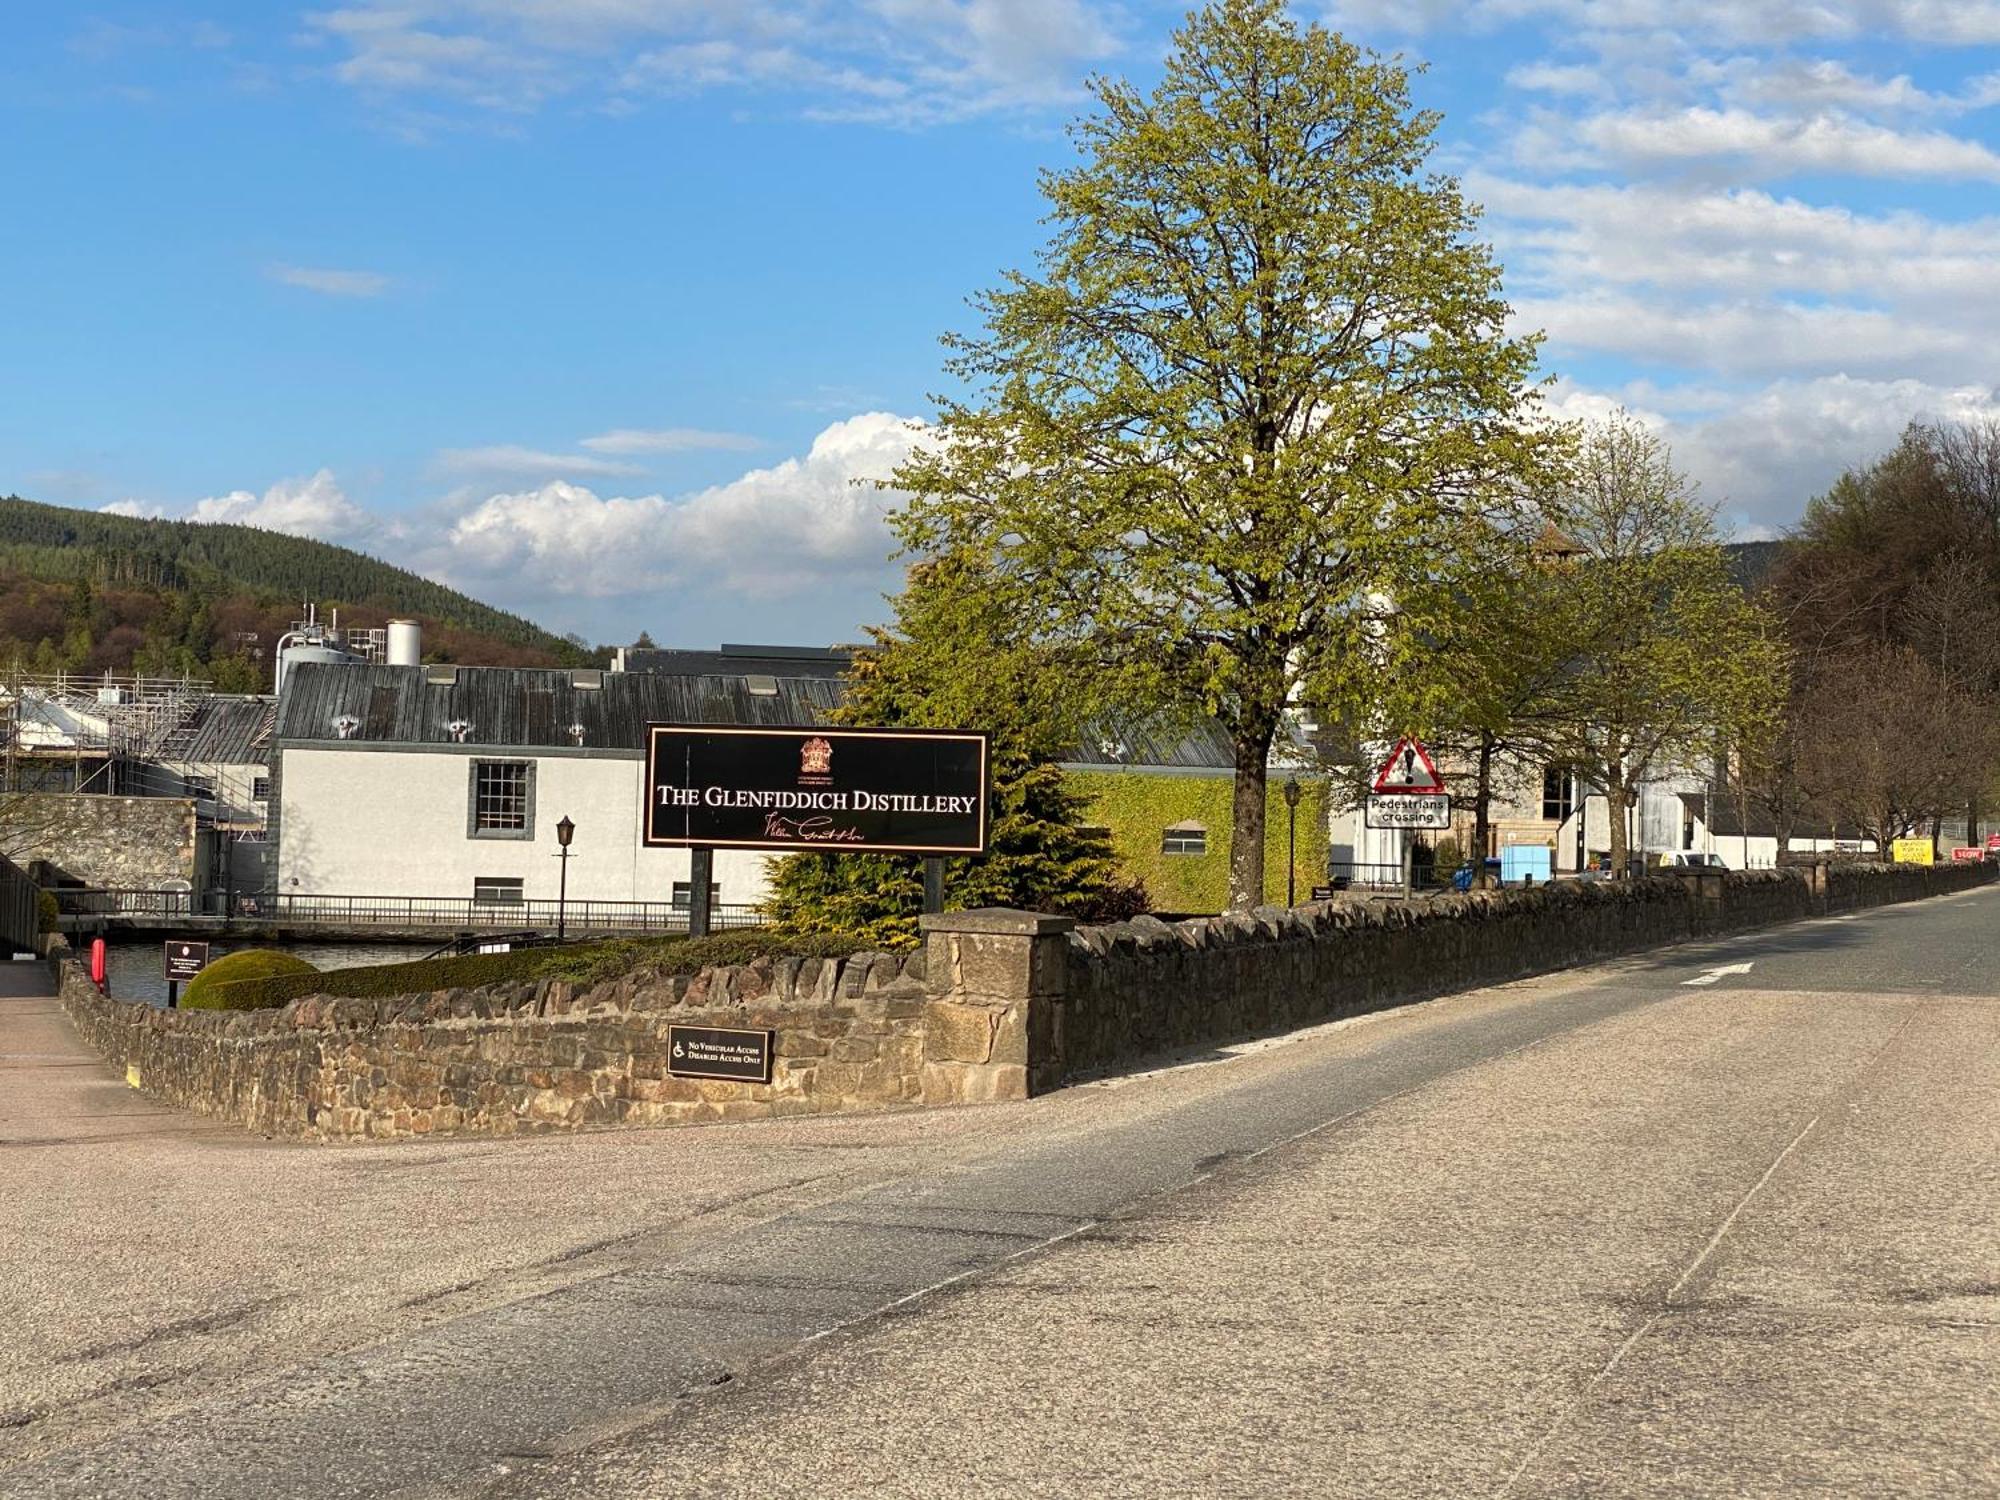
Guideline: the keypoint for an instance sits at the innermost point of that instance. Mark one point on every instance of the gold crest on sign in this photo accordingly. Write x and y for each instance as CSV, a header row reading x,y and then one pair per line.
x,y
815,758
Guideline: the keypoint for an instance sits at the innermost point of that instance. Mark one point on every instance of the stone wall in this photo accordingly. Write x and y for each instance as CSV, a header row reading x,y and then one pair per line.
x,y
509,1059
999,1005
1064,1003
118,843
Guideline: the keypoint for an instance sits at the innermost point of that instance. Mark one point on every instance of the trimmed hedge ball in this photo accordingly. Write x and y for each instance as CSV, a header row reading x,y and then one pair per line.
x,y
209,990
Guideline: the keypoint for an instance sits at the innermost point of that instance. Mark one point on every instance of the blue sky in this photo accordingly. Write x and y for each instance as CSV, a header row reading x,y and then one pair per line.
x,y
596,307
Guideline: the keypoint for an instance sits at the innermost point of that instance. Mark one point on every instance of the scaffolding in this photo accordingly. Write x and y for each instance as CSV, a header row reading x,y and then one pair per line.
x,y
105,717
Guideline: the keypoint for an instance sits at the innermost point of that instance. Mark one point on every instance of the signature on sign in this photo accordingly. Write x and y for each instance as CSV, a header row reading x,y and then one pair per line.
x,y
809,830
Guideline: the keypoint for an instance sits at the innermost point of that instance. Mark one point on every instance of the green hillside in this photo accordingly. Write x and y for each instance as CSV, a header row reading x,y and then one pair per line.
x,y
83,591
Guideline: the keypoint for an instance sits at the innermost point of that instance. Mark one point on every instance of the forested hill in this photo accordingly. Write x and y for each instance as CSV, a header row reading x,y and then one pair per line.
x,y
84,591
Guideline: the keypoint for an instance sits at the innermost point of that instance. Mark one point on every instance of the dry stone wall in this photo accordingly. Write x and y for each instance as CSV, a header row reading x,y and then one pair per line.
x,y
1000,1005
1145,986
505,1060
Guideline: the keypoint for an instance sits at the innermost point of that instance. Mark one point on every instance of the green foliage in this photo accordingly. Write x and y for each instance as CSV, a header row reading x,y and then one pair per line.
x,y
83,591
583,963
1262,362
954,661
237,981
1665,654
1138,808
48,913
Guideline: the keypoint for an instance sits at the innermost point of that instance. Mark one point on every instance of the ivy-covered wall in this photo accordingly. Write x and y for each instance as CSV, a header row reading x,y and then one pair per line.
x,y
1138,807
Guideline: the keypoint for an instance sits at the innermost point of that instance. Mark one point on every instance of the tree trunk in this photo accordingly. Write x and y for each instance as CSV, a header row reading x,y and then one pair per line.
x,y
1617,801
1482,809
1246,830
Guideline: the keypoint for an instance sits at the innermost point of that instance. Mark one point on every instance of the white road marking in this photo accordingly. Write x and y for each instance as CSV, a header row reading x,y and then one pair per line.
x,y
1710,976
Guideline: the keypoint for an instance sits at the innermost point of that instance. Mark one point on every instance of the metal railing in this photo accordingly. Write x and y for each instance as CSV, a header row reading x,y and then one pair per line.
x,y
454,912
1349,875
20,912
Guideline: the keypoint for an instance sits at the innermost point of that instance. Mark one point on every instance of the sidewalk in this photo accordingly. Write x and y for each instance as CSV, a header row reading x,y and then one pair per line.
x,y
53,1089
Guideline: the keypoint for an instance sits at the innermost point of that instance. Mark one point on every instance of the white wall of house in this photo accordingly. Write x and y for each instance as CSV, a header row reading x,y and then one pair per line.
x,y
370,821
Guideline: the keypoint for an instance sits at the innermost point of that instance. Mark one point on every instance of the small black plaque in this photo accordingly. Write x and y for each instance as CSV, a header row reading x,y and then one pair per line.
x,y
1322,893
719,1052
185,960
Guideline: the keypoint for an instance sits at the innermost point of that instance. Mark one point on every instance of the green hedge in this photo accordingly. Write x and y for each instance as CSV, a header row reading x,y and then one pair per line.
x,y
230,982
1139,806
586,963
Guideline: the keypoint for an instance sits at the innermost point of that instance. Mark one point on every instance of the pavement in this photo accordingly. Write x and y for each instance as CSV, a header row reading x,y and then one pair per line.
x,y
1673,1226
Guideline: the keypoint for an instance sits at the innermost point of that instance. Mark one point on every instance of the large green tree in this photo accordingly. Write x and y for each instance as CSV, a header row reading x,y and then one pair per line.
x,y
1261,360
1667,655
951,662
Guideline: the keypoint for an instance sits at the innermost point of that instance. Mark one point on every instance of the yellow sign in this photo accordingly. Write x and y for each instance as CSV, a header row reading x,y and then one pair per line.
x,y
1912,851
131,1075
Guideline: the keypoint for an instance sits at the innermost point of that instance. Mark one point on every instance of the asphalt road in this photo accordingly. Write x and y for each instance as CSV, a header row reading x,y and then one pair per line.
x,y
1671,1227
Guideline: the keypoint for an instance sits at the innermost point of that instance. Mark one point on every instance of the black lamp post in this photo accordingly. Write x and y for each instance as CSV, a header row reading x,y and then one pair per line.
x,y
1292,791
565,831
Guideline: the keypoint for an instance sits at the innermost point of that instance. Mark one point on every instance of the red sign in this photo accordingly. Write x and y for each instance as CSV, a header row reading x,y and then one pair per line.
x,y
1968,854
1409,770
1993,840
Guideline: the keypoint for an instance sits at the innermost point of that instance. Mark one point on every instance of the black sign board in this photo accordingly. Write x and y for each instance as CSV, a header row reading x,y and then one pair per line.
x,y
719,1052
1322,893
911,791
185,960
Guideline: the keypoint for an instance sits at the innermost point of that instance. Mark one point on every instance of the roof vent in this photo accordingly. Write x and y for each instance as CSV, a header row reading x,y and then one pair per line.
x,y
589,679
576,733
459,729
441,676
345,725
761,685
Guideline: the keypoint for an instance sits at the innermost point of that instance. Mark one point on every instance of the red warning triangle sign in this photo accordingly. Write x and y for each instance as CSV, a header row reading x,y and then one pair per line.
x,y
1409,768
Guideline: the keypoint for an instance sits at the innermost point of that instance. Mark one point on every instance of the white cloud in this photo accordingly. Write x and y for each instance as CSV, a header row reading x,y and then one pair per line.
x,y
1761,453
511,460
143,510
314,506
331,283
771,533
666,440
1949,22
1777,146
905,62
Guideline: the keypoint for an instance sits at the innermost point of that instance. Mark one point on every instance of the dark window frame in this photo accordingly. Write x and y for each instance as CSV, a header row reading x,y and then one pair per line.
x,y
473,829
1184,843
1559,806
499,890
681,893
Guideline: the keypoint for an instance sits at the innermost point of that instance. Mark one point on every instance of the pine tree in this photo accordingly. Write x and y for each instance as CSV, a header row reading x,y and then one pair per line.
x,y
950,662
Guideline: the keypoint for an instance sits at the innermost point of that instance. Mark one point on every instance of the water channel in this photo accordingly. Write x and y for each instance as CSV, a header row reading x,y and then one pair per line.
x,y
137,971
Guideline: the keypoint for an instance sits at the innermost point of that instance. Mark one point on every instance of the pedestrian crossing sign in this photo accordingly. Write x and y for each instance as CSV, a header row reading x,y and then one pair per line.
x,y
1409,770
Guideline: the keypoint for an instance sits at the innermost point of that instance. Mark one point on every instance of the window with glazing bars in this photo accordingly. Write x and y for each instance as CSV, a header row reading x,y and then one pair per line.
x,y
1557,802
500,796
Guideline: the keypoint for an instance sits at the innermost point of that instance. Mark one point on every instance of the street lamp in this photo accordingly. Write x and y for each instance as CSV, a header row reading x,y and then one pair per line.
x,y
1292,793
565,831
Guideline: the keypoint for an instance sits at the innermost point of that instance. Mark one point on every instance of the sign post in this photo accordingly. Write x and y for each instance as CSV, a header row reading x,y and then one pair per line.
x,y
701,873
806,787
182,961
1409,794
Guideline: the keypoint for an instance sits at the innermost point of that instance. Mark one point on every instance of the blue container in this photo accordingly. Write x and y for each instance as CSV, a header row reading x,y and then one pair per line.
x,y
1520,862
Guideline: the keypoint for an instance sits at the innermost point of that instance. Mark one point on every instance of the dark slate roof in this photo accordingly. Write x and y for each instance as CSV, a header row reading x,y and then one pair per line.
x,y
1724,816
230,730
530,706
769,661
522,707
1119,740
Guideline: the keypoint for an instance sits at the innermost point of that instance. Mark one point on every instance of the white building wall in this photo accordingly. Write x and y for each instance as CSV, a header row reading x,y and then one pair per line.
x,y
382,822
